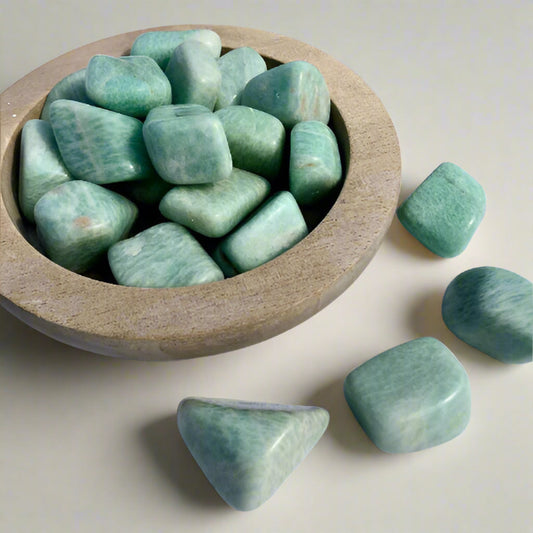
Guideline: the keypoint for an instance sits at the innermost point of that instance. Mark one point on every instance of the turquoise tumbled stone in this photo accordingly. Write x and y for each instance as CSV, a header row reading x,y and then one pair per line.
x,y
274,228
41,166
214,209
187,144
492,309
78,221
315,167
131,85
292,92
99,145
165,255
411,397
256,139
237,68
194,75
159,45
445,210
247,449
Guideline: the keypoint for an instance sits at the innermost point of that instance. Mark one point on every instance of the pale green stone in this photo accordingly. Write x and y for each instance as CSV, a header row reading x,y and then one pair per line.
x,y
256,139
165,255
78,221
41,166
413,396
247,449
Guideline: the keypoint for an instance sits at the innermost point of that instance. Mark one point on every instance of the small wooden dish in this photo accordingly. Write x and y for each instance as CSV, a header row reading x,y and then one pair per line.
x,y
158,324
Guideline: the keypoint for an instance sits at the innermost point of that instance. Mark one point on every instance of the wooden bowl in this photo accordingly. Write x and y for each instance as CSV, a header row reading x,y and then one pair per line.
x,y
158,324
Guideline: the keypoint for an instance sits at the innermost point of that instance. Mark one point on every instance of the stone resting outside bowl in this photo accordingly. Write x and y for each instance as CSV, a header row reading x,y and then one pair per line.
x,y
158,324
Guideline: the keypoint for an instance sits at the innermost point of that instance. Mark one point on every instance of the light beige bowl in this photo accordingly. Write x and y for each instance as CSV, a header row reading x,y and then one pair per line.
x,y
157,324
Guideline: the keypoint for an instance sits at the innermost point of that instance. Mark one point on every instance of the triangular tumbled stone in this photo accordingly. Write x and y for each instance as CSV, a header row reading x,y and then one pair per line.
x,y
247,449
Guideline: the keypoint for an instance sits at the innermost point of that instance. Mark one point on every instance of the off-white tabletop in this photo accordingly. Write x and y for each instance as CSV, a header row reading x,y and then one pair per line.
x,y
90,444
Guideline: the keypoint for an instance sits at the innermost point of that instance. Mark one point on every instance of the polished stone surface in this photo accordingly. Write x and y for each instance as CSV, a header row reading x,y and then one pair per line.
x,y
445,210
256,139
411,397
165,255
315,168
292,92
492,309
41,166
148,191
247,449
214,209
131,85
99,145
78,221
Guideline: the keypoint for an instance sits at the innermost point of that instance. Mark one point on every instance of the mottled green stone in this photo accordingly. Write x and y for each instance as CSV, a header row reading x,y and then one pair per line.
x,y
237,67
411,397
78,221
315,168
41,166
445,210
492,309
274,228
256,139
165,255
187,144
131,85
99,145
148,191
292,92
247,449
159,45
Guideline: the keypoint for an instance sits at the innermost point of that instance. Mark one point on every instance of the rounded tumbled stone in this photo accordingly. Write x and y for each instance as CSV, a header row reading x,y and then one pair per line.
x,y
492,310
411,397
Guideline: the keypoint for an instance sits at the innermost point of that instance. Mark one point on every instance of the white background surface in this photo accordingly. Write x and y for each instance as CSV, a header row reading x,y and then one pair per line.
x,y
90,444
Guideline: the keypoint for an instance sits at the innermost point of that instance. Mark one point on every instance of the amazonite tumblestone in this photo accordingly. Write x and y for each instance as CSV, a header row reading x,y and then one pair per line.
x,y
78,221
41,166
194,75
274,228
292,92
99,145
237,68
247,449
315,168
165,255
214,209
187,144
256,139
491,309
411,397
131,85
445,210
159,45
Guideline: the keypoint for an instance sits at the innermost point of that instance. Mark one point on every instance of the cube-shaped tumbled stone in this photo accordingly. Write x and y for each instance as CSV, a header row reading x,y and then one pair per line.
x,y
237,68
413,396
492,309
315,167
187,144
256,139
274,228
445,210
41,166
292,92
99,145
78,221
194,75
165,255
214,209
159,45
247,449
131,85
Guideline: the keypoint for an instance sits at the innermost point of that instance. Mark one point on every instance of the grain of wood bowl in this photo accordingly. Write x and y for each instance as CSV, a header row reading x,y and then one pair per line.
x,y
176,323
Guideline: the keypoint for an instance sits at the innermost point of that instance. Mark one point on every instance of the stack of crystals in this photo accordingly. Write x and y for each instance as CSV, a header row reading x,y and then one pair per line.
x,y
175,165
